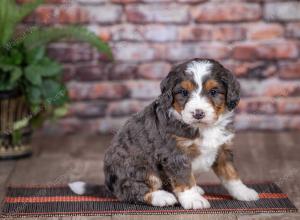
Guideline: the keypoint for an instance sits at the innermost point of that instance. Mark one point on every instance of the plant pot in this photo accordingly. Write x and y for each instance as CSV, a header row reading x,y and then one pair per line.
x,y
13,108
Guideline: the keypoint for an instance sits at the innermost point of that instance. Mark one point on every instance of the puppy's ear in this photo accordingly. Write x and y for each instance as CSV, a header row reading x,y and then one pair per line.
x,y
166,98
233,89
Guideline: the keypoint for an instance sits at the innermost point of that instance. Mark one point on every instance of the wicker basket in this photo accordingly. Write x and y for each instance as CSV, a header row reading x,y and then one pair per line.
x,y
13,108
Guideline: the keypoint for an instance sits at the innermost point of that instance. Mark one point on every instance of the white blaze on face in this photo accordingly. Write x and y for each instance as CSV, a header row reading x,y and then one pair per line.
x,y
198,69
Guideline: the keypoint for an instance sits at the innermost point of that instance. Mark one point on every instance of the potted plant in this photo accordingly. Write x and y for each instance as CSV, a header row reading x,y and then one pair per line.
x,y
31,89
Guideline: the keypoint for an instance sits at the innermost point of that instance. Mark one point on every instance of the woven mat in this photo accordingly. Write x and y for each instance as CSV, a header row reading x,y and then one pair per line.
x,y
48,201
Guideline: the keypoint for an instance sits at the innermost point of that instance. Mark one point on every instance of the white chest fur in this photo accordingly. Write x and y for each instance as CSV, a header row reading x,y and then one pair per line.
x,y
211,139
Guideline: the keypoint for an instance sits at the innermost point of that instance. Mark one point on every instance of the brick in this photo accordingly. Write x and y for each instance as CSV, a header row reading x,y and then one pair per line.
x,y
123,71
157,13
228,33
264,31
70,52
111,125
266,122
47,1
101,90
191,1
236,11
277,88
68,72
91,2
289,105
142,89
125,1
195,33
126,32
212,32
159,33
88,109
293,30
105,14
270,88
44,15
125,107
154,33
104,33
73,15
257,106
139,1
282,11
154,70
126,51
289,70
63,126
269,50
93,72
258,70
178,52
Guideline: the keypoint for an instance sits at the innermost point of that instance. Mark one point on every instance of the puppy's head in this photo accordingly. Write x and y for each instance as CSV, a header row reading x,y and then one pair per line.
x,y
199,91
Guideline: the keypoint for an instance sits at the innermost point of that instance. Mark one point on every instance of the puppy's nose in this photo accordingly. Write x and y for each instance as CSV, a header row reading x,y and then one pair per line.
x,y
199,114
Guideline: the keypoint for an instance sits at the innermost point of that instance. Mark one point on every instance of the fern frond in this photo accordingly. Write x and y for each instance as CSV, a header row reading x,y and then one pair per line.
x,y
28,8
11,14
40,37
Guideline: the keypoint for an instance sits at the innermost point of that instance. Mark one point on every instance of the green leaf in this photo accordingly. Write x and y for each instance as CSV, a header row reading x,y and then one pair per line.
x,y
60,111
16,56
21,123
50,68
32,74
15,75
33,95
54,93
16,137
35,54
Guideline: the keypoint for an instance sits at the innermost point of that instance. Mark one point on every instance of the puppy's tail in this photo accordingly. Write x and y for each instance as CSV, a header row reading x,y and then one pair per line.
x,y
82,188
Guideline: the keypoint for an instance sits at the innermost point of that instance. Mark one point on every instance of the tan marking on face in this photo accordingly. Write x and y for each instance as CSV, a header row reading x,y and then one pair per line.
x,y
154,182
177,106
187,146
223,166
188,85
220,105
210,84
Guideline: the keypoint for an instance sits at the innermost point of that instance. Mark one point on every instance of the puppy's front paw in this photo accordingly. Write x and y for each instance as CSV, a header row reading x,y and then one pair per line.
x,y
240,191
199,190
191,199
246,194
162,198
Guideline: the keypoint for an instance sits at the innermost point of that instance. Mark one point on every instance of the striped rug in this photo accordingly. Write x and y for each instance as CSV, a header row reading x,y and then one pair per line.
x,y
49,201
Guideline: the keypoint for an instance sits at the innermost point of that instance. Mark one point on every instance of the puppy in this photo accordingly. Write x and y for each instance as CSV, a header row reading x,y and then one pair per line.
x,y
157,154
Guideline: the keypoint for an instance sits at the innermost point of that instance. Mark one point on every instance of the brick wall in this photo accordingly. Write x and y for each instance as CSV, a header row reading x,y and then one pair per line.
x,y
257,39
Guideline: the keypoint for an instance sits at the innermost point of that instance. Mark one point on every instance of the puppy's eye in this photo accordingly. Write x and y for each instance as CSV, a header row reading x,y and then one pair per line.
x,y
213,92
184,92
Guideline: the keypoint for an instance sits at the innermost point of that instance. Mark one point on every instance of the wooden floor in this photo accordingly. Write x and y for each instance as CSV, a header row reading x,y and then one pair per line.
x,y
259,157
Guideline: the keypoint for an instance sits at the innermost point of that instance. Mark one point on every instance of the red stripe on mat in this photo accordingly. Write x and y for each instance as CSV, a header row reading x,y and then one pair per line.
x,y
209,210
46,199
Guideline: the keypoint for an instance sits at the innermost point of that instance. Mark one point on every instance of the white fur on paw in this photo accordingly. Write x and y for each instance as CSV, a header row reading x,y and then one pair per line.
x,y
78,187
199,190
163,198
240,191
191,199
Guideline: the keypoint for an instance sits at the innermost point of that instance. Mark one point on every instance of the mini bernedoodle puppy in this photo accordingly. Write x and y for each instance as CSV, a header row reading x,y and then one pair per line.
x,y
157,155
